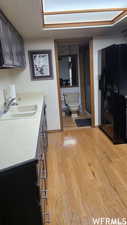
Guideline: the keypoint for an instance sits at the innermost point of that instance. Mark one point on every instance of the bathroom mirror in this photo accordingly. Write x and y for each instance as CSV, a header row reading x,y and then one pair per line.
x,y
68,71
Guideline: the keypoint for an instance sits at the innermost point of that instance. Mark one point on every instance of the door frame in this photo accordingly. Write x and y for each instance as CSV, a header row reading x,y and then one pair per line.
x,y
82,80
91,69
58,84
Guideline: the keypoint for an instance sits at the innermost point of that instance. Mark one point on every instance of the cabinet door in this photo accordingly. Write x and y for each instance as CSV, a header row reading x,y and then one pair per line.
x,y
21,51
20,201
14,45
1,52
12,52
6,49
17,49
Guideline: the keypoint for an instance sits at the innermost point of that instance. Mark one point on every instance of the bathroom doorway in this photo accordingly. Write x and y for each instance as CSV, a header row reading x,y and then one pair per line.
x,y
74,83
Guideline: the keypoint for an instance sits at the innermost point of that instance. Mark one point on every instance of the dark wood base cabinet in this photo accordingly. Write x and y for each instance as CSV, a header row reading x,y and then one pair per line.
x,y
23,188
19,196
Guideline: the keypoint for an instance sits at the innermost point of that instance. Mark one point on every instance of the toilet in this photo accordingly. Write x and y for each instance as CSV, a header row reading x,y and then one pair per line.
x,y
72,100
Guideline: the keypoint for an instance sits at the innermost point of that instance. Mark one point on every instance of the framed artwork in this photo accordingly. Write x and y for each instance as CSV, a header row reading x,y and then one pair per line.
x,y
41,64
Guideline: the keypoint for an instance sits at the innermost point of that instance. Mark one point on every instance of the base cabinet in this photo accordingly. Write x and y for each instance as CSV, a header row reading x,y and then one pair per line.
x,y
42,167
23,188
19,196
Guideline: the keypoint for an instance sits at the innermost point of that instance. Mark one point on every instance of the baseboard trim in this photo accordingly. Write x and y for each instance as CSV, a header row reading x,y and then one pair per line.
x,y
71,128
54,131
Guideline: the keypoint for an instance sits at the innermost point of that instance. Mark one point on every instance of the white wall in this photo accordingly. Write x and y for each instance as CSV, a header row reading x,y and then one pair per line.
x,y
23,82
70,90
98,44
5,80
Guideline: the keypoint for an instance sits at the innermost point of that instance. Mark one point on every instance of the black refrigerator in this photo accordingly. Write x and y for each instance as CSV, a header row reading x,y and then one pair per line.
x,y
113,87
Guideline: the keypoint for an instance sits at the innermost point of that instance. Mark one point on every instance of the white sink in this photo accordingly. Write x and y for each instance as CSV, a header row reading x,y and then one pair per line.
x,y
27,108
22,114
17,112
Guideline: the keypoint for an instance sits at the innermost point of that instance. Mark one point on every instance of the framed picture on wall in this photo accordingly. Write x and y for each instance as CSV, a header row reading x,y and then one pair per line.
x,y
41,64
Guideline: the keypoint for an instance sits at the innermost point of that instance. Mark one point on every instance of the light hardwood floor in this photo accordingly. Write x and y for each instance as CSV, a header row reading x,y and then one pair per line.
x,y
87,177
69,122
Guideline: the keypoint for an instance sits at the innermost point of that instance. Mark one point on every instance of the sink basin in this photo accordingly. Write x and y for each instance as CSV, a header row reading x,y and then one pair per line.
x,y
17,112
22,114
27,108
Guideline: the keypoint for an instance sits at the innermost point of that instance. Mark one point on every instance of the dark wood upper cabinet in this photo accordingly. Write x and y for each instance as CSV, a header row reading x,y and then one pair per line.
x,y
12,52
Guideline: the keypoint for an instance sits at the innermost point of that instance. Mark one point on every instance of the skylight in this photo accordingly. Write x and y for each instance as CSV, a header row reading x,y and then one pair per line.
x,y
81,17
61,5
64,13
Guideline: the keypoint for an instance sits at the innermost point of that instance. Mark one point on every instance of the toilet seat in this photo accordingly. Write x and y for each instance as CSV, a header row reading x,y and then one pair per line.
x,y
74,107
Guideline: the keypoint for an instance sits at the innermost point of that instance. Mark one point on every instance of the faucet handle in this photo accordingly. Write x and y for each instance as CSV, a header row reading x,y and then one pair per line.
x,y
13,101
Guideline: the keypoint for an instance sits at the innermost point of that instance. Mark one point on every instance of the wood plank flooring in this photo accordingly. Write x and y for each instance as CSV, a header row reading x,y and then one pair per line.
x,y
69,122
87,177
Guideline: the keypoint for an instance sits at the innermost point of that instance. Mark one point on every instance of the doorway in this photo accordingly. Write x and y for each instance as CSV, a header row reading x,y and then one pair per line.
x,y
75,82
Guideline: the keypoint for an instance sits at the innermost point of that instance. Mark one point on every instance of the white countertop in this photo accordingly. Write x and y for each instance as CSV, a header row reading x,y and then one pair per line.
x,y
18,137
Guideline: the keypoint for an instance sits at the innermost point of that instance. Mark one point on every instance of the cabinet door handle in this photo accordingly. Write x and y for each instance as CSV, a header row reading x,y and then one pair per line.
x,y
41,133
44,174
44,194
46,217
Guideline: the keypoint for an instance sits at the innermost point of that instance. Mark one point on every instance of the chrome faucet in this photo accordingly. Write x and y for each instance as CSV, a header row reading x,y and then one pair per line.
x,y
8,103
